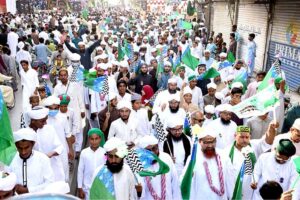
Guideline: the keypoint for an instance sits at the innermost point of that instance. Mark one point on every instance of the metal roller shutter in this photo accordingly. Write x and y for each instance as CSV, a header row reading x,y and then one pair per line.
x,y
221,20
285,39
253,18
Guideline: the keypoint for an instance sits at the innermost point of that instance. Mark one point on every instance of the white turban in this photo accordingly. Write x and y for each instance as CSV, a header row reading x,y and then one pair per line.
x,y
175,97
97,57
172,80
153,50
111,96
38,112
223,55
75,57
124,63
296,124
25,134
51,100
99,48
8,182
230,77
116,143
102,66
237,85
211,85
21,45
219,95
224,107
147,140
81,43
209,109
167,63
187,90
174,121
207,131
124,104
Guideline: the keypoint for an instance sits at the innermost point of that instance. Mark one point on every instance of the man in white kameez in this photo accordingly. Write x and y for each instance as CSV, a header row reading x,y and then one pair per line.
x,y
120,176
209,176
235,153
125,128
22,54
277,166
12,41
47,140
224,127
197,97
62,129
171,188
36,165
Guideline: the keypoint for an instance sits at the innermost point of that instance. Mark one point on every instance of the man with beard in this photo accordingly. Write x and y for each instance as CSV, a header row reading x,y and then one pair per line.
x,y
277,166
235,152
165,186
209,174
210,98
223,126
196,92
125,128
114,179
143,79
32,168
176,139
161,101
162,79
85,53
293,135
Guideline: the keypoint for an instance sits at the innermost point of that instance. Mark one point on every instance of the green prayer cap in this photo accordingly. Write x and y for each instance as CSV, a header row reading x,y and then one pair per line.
x,y
243,129
182,67
278,80
64,99
286,147
187,34
192,77
97,131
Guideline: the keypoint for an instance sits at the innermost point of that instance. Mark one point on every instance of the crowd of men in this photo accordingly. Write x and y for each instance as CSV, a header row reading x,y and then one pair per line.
x,y
44,52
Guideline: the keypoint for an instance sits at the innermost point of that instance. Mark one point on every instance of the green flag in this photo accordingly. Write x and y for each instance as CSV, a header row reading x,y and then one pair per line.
x,y
185,25
189,60
242,78
297,166
121,53
230,57
211,73
85,13
7,144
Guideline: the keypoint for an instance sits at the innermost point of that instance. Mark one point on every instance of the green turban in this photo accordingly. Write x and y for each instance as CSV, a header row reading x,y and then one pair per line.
x,y
243,129
191,78
97,131
286,148
278,80
64,99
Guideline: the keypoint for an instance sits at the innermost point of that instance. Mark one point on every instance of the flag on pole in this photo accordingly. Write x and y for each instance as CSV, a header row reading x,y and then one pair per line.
x,y
134,161
159,130
7,145
184,25
258,104
97,84
211,73
297,166
121,53
128,49
187,125
272,74
189,60
242,78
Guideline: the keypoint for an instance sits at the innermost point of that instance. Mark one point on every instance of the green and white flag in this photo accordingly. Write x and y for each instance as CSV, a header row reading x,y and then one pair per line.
x,y
258,104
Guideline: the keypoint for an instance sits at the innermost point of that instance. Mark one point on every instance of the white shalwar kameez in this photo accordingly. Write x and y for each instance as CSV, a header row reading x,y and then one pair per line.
x,y
39,171
29,81
88,162
141,116
172,182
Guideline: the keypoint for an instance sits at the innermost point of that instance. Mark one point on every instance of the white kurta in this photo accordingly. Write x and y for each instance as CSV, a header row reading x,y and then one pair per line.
x,y
200,189
167,115
225,133
127,132
12,41
73,121
39,171
126,97
179,154
172,183
197,97
88,162
61,126
258,146
47,142
267,169
124,183
162,98
141,116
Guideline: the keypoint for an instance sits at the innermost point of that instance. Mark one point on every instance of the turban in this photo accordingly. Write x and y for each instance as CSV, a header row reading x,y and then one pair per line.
x,y
286,147
237,85
124,104
167,63
207,131
21,45
101,66
223,55
243,129
191,78
64,99
124,63
211,85
75,57
97,131
172,80
173,122
224,107
209,109
147,140
25,134
278,80
52,100
81,43
175,97
111,96
296,124
118,144
7,182
103,56
187,90
38,112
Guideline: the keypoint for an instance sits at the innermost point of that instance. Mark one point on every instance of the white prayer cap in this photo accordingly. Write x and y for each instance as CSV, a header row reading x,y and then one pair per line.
x,y
105,36
116,143
209,109
101,66
92,70
25,134
38,112
124,104
153,50
115,62
109,31
237,85
7,182
108,65
174,121
103,43
219,95
296,124
147,140
230,77
97,57
172,80
99,48
21,45
201,24
145,38
175,97
92,37
118,33
223,55
103,56
211,85
94,22
206,51
197,39
81,43
167,63
124,63
75,57
114,36
51,100
224,107
187,90
207,131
